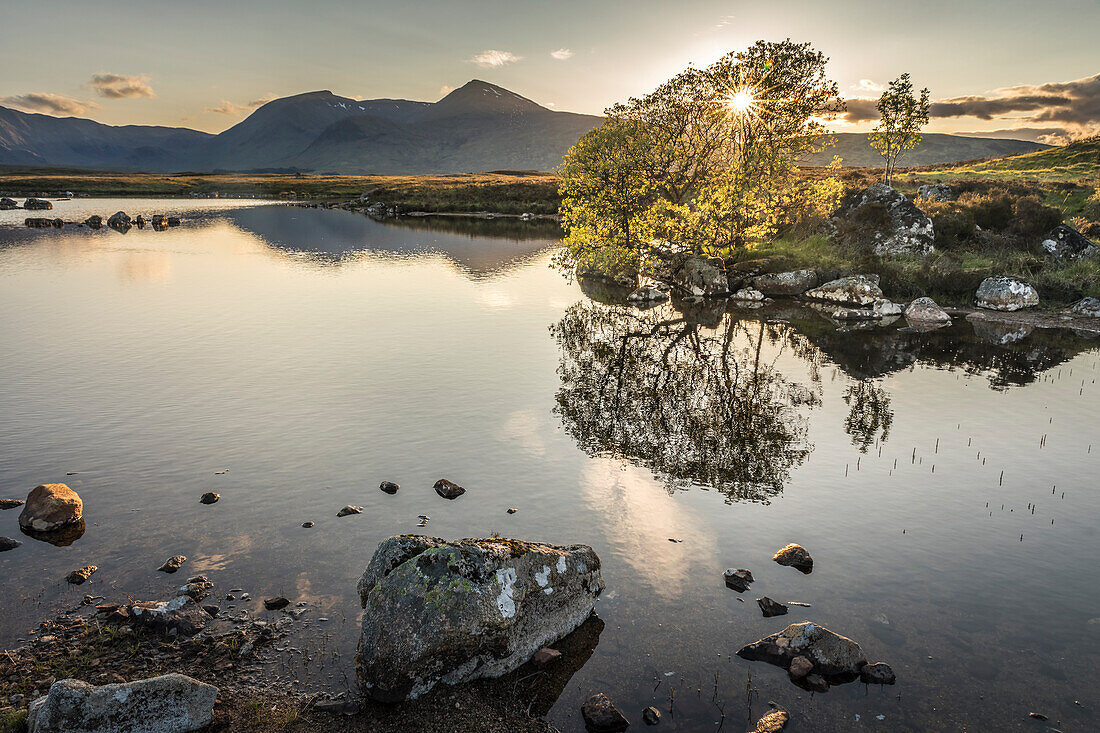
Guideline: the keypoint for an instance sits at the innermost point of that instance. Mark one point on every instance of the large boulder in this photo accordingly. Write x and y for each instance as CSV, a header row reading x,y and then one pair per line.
x,y
120,221
857,291
1005,293
172,703
939,192
926,311
50,507
692,275
830,653
1086,307
785,283
33,204
908,230
1066,243
449,612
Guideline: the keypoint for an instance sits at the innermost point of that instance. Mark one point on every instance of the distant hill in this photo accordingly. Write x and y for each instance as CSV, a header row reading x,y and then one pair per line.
x,y
478,127
1074,162
935,149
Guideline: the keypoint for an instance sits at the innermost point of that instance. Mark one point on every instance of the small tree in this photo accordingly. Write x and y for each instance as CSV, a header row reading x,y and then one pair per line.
x,y
903,116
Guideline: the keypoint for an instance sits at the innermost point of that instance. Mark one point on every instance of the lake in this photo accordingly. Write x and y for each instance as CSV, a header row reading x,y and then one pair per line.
x,y
290,359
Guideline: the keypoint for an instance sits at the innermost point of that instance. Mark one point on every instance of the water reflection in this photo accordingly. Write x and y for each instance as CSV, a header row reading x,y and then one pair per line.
x,y
869,415
481,249
695,404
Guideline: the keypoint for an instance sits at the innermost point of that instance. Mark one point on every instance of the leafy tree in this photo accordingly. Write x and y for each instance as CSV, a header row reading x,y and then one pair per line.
x,y
704,164
903,116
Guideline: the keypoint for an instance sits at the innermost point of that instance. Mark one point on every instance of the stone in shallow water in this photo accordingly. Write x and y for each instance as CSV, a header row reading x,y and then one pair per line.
x,y
738,580
795,556
800,667
181,615
926,310
210,497
7,543
349,509
50,507
450,612
857,291
773,722
879,673
651,715
830,653
81,575
771,608
389,487
448,489
795,282
172,703
274,604
10,503
172,564
601,716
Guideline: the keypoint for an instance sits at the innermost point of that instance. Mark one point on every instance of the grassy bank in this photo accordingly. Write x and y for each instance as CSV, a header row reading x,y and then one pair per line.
x,y
509,192
1077,162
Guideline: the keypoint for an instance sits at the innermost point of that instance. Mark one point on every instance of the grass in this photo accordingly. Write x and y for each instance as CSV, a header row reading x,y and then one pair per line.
x,y
508,192
13,721
1077,162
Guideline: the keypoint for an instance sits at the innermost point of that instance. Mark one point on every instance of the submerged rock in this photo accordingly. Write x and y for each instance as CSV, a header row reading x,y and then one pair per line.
x,y
773,722
858,291
800,667
95,221
830,653
748,294
450,612
878,673
181,615
908,229
739,580
448,489
50,507
647,294
81,575
37,222
601,716
545,656
120,221
33,204
349,509
791,283
173,564
651,715
209,497
274,604
926,310
7,543
389,487
1005,293
771,608
795,556
11,503
1066,243
172,703
7,204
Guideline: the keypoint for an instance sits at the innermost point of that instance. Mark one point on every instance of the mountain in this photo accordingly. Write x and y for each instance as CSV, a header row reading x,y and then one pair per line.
x,y
934,149
477,127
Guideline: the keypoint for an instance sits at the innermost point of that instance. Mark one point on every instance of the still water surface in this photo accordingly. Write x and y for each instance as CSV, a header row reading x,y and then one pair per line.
x,y
311,354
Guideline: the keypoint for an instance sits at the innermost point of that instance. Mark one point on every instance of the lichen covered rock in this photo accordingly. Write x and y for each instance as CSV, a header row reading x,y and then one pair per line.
x,y
438,611
830,653
908,230
1066,243
859,291
786,283
1005,293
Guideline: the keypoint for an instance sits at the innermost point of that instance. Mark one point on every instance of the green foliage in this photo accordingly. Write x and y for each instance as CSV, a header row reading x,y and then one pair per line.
x,y
1077,162
902,117
703,164
13,721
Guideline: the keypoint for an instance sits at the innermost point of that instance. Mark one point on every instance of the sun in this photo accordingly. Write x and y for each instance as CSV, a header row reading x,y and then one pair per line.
x,y
742,101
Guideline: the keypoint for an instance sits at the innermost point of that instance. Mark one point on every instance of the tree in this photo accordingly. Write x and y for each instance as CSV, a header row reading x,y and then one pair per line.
x,y
903,116
703,164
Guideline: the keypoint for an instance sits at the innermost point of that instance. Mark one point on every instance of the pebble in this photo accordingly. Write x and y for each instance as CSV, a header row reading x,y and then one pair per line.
x,y
307,525
349,509
209,497
173,564
389,487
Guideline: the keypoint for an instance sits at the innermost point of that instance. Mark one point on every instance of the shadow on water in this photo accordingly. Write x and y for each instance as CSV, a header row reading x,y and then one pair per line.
x,y
481,249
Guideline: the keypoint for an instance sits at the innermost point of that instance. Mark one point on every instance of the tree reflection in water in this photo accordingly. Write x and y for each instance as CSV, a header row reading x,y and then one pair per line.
x,y
869,414
696,405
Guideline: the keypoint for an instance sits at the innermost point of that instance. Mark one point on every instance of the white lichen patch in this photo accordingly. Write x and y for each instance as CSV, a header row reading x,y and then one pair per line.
x,y
506,601
561,564
542,577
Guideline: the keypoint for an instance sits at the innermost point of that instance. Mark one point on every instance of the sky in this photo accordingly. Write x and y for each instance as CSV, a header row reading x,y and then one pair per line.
x,y
1000,65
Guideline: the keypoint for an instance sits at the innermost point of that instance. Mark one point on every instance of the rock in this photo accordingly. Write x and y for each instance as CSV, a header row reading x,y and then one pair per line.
x,y
748,295
940,192
1085,307
196,588
37,222
337,707
651,715
909,230
1006,293
7,204
95,221
601,716
925,310
212,610
448,489
209,497
738,579
1066,243
878,673
307,525
771,608
647,294
51,507
158,220
80,575
174,221
814,683
544,656
7,543
1001,333
10,503
172,703
792,283
181,614
773,722
800,667
274,604
830,653
119,220
173,564
512,510
450,612
139,222
858,291
693,275
885,309
795,556
349,509
33,204
389,487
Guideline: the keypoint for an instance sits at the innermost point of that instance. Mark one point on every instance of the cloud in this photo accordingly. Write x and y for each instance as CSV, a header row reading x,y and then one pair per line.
x,y
232,108
491,58
445,90
50,104
724,21
866,85
562,54
861,109
117,86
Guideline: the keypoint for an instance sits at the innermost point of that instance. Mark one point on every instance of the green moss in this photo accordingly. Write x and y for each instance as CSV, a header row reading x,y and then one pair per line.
x,y
13,721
